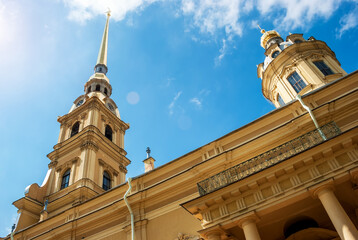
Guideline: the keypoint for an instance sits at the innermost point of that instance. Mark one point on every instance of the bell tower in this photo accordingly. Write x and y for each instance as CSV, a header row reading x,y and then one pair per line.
x,y
89,157
295,66
90,144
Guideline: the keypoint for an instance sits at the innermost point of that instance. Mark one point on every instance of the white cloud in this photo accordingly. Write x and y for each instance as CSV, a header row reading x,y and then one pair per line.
x,y
223,18
172,104
254,24
196,102
291,14
222,51
210,15
83,10
348,21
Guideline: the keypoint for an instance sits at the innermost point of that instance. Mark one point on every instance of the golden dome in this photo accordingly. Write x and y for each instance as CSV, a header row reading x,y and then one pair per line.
x,y
267,35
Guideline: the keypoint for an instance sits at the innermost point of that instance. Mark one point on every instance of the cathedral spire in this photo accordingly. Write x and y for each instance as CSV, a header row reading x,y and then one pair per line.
x,y
101,65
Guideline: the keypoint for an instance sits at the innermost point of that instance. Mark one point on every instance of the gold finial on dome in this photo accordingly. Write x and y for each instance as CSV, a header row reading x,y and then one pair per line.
x,y
267,35
261,30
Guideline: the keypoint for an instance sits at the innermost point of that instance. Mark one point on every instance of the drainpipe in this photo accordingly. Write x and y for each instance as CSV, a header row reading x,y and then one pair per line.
x,y
14,226
298,97
129,207
12,232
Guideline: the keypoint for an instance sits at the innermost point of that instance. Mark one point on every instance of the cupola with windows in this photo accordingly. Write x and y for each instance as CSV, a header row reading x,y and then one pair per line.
x,y
295,66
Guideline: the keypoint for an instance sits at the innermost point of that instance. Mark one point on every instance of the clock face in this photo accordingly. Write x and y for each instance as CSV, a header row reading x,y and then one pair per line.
x,y
79,103
110,106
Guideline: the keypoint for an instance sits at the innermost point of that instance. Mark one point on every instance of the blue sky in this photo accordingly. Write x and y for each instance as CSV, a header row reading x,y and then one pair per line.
x,y
183,72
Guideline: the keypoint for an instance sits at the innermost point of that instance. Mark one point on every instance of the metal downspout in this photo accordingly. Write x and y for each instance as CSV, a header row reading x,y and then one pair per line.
x,y
129,207
14,226
298,97
12,232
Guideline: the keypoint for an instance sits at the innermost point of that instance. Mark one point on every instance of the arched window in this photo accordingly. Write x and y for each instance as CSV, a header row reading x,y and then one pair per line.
x,y
108,132
89,89
296,82
98,87
75,128
106,181
105,91
298,41
280,100
65,179
323,67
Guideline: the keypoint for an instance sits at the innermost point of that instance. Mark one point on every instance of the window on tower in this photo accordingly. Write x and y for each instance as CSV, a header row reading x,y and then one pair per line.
x,y
105,91
108,132
89,89
106,181
75,128
323,68
296,82
280,100
98,87
65,179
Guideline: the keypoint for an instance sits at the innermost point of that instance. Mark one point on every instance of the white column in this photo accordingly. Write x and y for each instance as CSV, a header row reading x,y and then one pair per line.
x,y
335,211
100,174
250,229
60,136
115,176
73,171
57,180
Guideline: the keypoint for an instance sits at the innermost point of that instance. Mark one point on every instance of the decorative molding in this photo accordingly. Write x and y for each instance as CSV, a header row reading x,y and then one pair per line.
x,y
53,164
183,236
93,105
89,144
67,164
122,168
108,167
287,71
104,118
75,160
298,58
318,169
83,115
101,162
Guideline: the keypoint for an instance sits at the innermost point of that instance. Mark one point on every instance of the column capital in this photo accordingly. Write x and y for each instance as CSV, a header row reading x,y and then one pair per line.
x,y
320,188
247,218
214,233
75,160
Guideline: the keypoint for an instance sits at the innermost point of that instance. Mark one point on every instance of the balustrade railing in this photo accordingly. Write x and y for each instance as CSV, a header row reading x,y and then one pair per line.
x,y
267,159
